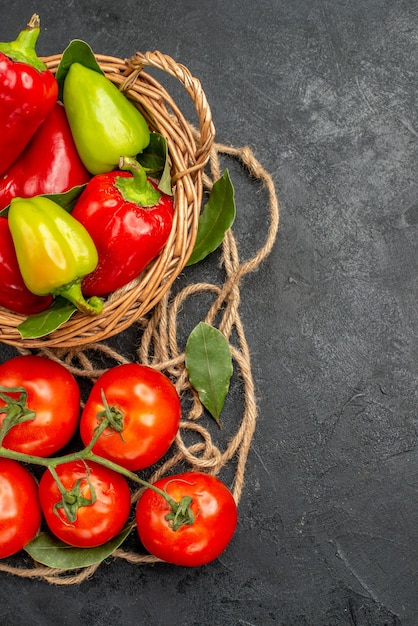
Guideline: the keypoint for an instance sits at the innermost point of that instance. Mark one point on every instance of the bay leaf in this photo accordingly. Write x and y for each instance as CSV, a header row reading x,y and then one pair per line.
x,y
216,218
43,323
209,367
155,162
77,51
66,199
52,552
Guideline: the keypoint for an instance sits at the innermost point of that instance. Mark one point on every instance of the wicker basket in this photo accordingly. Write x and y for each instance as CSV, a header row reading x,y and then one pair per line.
x,y
189,151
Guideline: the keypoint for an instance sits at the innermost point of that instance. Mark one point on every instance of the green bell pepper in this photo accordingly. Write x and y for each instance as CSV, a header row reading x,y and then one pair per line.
x,y
104,123
54,251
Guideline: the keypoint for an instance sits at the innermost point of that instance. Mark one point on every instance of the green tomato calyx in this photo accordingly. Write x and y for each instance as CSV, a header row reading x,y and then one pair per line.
x,y
16,409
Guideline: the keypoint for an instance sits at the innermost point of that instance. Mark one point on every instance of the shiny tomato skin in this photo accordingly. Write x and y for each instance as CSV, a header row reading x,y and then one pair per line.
x,y
151,410
53,393
192,545
96,523
20,513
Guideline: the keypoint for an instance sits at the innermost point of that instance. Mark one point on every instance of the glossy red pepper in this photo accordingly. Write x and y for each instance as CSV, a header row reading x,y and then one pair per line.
x,y
14,295
129,221
50,163
28,92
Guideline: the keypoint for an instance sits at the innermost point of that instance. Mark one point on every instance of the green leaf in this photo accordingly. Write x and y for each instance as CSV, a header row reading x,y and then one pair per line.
x,y
209,366
154,160
217,217
77,51
43,323
66,200
52,552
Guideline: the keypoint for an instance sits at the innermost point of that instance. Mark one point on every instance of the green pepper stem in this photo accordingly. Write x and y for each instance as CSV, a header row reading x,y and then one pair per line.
x,y
22,49
73,293
136,189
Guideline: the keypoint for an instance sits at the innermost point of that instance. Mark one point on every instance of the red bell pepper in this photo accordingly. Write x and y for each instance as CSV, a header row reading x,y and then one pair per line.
x,y
14,295
129,220
28,92
49,164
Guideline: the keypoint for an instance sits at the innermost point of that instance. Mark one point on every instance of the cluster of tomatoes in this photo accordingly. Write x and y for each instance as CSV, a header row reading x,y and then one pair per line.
x,y
128,422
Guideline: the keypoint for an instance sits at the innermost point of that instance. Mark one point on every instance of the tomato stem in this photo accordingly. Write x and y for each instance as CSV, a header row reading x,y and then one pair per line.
x,y
16,409
72,499
180,512
99,430
111,415
87,455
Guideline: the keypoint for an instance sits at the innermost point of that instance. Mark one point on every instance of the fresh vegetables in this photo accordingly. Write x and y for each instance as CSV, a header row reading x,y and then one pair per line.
x,y
43,396
129,220
28,93
104,123
92,129
205,531
84,504
14,295
53,249
20,513
49,165
87,129
144,412
85,495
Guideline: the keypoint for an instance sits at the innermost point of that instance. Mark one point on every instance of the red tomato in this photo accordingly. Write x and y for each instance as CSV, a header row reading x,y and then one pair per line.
x,y
52,393
150,409
95,523
202,541
20,513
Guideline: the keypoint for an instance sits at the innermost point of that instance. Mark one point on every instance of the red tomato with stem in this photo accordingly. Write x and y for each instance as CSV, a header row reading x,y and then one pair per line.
x,y
52,394
215,518
146,408
20,513
104,497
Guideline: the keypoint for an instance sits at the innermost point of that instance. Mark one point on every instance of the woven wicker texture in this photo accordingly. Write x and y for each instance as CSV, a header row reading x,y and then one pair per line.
x,y
189,152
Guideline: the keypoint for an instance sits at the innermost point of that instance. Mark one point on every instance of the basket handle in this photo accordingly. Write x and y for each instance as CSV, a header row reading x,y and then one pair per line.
x,y
194,89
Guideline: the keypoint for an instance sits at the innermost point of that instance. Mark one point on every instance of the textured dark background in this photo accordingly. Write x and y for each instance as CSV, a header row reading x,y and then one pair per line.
x,y
324,91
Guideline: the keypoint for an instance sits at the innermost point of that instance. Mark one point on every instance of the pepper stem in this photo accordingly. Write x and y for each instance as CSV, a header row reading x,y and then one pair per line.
x,y
22,49
73,293
136,189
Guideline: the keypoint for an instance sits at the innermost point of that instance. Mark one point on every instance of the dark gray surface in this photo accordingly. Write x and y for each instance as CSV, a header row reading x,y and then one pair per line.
x,y
325,93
